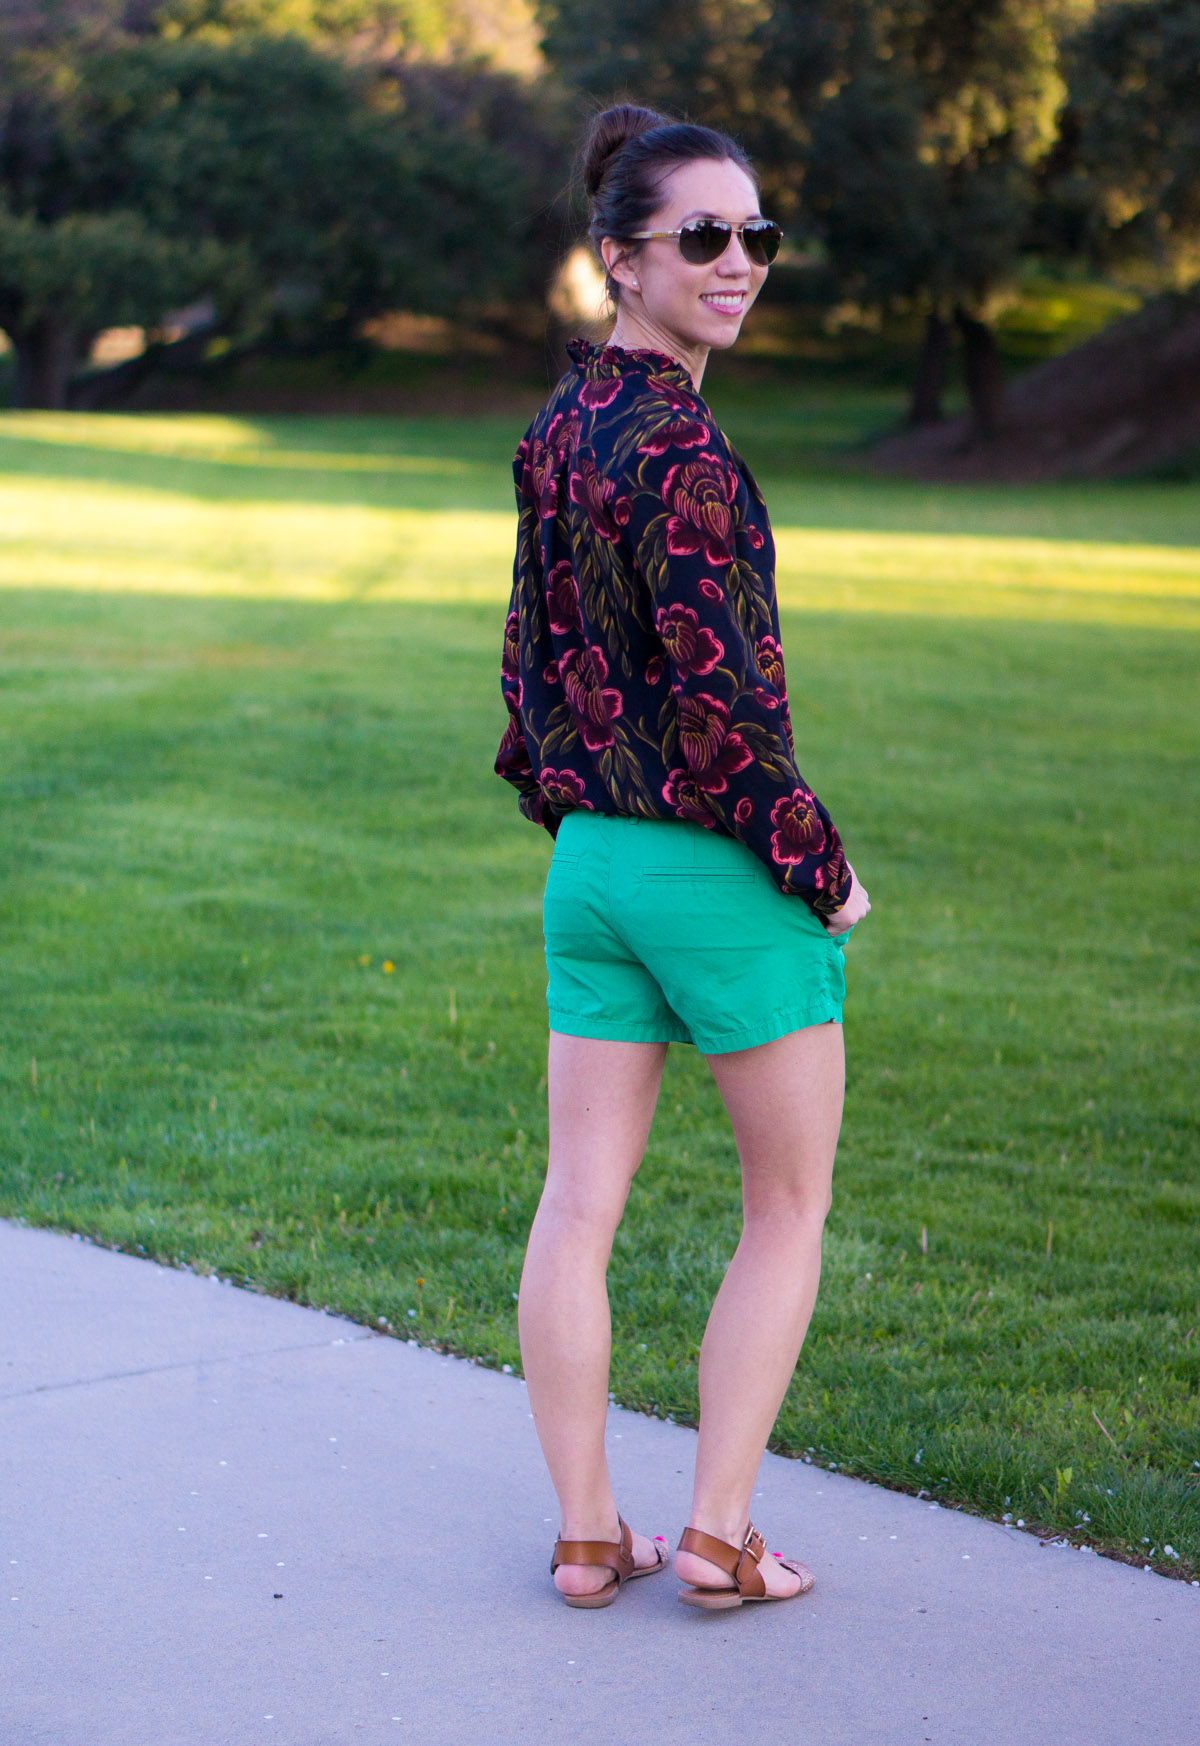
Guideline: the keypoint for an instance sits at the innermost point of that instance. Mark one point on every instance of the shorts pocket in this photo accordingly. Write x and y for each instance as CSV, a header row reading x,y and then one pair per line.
x,y
702,875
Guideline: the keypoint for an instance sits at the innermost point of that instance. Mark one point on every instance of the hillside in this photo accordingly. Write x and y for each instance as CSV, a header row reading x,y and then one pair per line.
x,y
1123,402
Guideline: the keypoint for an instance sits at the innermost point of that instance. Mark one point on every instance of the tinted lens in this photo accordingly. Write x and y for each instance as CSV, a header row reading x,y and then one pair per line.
x,y
704,242
761,241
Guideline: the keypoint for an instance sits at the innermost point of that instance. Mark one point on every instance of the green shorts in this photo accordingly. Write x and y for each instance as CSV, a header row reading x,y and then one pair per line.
x,y
659,931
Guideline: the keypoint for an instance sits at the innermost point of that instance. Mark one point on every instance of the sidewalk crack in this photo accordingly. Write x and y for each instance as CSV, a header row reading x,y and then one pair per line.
x,y
187,1364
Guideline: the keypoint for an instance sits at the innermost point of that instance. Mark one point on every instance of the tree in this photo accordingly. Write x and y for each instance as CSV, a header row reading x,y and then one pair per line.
x,y
922,172
1127,189
298,192
906,134
700,56
711,61
62,282
497,34
66,268
326,176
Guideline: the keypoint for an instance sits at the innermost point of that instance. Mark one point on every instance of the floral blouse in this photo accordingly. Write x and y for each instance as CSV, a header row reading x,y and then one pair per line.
x,y
642,667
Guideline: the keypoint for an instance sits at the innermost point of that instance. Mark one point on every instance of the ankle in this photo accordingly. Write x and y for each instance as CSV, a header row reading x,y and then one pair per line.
x,y
591,1524
728,1524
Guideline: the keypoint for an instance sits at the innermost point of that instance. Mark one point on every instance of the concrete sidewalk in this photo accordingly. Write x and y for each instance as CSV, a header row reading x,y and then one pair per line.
x,y
232,1522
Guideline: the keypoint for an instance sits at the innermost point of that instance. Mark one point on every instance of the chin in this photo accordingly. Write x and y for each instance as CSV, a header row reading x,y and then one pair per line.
x,y
725,333
720,331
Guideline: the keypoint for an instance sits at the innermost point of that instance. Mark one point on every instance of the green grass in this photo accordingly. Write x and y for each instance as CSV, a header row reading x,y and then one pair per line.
x,y
248,707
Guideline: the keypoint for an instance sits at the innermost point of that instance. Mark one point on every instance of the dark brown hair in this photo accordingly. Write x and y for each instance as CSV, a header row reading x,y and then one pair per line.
x,y
625,156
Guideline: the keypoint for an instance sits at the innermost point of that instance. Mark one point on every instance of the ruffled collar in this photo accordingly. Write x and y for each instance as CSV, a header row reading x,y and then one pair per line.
x,y
601,363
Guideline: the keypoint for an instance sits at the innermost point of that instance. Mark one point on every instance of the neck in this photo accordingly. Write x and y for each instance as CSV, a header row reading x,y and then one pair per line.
x,y
635,332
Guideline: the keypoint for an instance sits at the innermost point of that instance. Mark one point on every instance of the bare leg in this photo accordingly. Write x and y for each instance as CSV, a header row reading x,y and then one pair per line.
x,y
785,1102
601,1098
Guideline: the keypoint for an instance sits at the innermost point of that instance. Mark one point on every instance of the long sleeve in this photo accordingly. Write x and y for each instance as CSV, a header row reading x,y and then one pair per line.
x,y
513,762
512,757
698,536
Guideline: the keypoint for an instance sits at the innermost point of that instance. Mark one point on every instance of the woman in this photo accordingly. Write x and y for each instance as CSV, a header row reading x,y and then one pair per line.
x,y
698,890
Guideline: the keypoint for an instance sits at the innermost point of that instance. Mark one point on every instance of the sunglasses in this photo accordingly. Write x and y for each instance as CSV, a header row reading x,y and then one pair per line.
x,y
705,240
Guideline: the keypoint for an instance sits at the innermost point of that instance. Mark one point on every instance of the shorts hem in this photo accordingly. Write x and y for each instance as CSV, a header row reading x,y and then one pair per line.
x,y
616,1030
769,1030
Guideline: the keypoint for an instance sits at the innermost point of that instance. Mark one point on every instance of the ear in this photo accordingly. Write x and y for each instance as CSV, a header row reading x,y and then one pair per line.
x,y
618,262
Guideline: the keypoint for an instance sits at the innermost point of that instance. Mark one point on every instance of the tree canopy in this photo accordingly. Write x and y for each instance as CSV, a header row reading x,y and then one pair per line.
x,y
301,165
296,190
1131,152
922,174
905,135
754,68
500,34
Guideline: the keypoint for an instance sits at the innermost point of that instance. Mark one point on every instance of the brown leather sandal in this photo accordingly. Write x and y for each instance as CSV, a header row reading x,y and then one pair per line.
x,y
741,1562
610,1556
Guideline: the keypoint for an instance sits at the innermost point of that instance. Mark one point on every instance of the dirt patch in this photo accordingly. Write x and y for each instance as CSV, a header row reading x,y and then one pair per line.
x,y
1124,402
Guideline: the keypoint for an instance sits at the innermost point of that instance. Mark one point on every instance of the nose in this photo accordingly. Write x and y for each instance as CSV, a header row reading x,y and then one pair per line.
x,y
734,262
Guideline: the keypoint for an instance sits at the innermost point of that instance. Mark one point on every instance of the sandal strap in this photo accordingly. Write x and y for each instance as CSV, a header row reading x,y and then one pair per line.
x,y
607,1553
740,1562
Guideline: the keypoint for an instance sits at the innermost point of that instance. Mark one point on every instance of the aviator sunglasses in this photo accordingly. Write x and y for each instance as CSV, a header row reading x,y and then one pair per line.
x,y
705,240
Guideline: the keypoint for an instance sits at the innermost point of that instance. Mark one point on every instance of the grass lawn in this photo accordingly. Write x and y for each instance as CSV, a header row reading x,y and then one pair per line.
x,y
273,982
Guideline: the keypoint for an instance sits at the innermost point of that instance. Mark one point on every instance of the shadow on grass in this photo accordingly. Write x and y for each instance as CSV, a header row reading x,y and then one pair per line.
x,y
448,464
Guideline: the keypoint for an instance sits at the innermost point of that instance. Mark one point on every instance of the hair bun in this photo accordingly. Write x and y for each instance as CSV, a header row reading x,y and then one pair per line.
x,y
610,130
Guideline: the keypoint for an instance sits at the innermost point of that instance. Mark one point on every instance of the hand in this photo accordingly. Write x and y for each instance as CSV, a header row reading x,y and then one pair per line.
x,y
852,911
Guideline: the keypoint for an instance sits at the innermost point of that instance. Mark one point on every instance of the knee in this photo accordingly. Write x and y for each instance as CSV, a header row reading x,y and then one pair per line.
x,y
579,1216
797,1214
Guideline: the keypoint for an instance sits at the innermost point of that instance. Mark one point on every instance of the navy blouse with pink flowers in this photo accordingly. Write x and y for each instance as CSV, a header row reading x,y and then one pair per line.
x,y
642,667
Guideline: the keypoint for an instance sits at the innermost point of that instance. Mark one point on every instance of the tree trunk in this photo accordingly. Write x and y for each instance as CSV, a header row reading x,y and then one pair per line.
x,y
94,390
925,407
46,354
983,374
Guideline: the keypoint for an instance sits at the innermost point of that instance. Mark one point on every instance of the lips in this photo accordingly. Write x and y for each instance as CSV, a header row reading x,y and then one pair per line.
x,y
725,302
